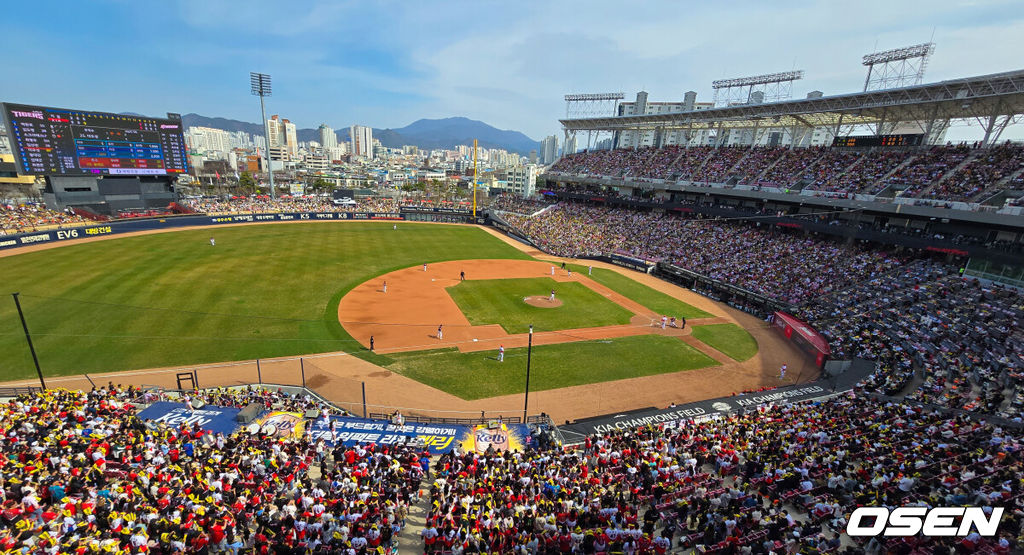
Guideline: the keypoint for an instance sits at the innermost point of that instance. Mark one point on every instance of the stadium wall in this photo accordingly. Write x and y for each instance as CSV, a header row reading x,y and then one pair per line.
x,y
172,222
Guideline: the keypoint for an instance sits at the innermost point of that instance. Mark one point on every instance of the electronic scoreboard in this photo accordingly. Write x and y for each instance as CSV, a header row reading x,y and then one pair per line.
x,y
62,142
878,140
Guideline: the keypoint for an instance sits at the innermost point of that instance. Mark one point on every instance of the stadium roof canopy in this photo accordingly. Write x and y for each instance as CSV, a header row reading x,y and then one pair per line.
x,y
985,97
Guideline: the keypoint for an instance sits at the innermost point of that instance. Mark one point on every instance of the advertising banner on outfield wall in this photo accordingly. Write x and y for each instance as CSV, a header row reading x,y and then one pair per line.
x,y
436,438
171,222
210,418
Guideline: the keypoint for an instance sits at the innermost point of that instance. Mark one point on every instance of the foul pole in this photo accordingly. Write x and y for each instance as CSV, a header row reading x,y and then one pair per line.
x,y
474,178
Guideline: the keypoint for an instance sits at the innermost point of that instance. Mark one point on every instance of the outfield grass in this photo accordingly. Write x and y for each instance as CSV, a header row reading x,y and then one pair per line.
x,y
479,375
263,291
651,298
500,301
730,339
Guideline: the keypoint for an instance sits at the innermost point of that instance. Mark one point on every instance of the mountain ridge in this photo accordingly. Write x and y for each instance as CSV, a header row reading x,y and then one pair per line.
x,y
444,133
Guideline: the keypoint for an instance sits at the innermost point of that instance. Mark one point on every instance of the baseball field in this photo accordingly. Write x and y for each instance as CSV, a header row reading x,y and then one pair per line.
x,y
264,291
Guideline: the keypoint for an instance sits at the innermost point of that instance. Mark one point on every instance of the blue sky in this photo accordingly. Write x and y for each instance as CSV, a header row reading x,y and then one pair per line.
x,y
388,63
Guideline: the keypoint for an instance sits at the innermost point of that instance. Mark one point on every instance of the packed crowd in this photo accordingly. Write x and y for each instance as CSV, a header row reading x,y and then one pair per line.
x,y
516,204
22,218
965,337
652,163
786,267
263,204
984,173
781,479
925,169
82,474
916,173
792,165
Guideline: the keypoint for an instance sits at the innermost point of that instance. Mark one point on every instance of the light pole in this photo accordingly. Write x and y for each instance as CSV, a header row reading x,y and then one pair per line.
x,y
261,87
529,350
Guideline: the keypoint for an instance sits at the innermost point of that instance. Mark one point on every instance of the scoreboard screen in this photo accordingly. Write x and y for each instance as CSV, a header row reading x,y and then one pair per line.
x,y
57,141
879,140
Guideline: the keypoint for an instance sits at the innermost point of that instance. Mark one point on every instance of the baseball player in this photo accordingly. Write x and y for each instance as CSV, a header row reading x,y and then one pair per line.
x,y
462,276
424,267
395,227
672,321
782,372
212,242
552,270
590,270
552,297
440,334
664,320
371,342
570,272
385,286
501,353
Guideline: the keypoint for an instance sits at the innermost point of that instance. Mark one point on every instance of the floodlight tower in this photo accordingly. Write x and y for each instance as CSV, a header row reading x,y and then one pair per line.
x,y
591,105
899,67
771,87
260,83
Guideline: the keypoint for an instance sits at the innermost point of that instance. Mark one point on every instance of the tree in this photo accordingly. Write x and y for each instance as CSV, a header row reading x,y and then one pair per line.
x,y
246,184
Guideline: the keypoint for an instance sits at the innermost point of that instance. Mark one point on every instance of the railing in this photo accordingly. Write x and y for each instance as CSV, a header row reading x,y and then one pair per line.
x,y
16,391
535,419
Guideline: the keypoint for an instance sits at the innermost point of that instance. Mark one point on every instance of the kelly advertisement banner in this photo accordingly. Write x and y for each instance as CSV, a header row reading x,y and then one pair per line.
x,y
210,418
436,438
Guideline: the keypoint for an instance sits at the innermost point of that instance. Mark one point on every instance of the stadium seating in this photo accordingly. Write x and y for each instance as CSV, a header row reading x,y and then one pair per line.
x,y
943,173
24,218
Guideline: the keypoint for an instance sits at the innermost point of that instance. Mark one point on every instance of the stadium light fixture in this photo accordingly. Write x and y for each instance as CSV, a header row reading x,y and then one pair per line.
x,y
758,79
260,86
897,54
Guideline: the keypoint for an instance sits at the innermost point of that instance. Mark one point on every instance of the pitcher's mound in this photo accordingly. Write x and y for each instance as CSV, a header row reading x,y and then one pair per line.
x,y
542,302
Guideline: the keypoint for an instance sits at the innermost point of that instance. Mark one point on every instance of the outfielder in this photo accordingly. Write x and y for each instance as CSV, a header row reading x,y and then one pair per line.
x,y
212,242
501,353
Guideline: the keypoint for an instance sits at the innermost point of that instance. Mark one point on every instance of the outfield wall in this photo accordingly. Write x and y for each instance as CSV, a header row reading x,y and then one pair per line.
x,y
173,222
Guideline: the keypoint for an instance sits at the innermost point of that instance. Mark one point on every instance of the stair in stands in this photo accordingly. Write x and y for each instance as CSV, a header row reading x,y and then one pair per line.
x,y
996,188
946,176
900,166
757,177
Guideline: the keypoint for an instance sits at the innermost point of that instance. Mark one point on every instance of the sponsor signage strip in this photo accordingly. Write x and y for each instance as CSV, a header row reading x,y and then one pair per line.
x,y
55,235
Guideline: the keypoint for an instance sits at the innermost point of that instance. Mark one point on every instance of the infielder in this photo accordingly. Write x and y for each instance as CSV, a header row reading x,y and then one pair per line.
x,y
552,270
462,276
371,342
440,334
501,353
424,267
385,286
552,297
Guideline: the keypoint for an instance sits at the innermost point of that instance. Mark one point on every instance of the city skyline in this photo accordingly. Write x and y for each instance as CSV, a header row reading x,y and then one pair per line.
x,y
386,65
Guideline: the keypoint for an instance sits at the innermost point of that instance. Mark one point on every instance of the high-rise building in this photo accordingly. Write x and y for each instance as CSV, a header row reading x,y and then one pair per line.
x,y
570,146
275,132
328,138
362,141
549,150
291,141
208,139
